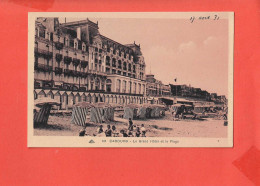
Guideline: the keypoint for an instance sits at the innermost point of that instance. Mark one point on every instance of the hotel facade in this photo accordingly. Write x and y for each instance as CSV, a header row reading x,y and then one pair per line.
x,y
73,62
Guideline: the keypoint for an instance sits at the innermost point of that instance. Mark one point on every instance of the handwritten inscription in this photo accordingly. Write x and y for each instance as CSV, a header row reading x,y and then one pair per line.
x,y
201,18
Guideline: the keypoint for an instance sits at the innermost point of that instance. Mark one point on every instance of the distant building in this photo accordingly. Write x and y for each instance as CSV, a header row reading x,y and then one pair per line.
x,y
73,62
188,91
155,88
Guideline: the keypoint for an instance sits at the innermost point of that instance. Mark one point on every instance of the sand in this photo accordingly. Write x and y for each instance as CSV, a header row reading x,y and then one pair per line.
x,y
162,127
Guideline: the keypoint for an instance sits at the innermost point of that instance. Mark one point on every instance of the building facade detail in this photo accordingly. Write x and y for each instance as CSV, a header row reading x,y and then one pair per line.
x,y
74,62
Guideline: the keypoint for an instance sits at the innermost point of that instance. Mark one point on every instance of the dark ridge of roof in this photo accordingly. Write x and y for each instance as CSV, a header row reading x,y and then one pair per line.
x,y
104,37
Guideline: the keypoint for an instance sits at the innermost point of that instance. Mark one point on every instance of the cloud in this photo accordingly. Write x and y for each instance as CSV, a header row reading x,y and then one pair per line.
x,y
183,47
210,40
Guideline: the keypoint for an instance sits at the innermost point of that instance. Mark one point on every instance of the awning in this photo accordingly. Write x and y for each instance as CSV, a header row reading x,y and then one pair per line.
x,y
81,93
58,83
38,90
55,92
62,92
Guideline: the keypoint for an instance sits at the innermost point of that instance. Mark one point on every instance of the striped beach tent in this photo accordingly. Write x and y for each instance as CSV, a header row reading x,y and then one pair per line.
x,y
79,114
96,114
42,110
141,112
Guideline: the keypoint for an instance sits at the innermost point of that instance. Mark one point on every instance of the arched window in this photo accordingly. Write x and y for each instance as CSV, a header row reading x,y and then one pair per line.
x,y
108,85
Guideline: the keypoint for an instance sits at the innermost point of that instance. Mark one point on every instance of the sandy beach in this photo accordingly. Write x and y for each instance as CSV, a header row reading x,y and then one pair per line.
x,y
162,127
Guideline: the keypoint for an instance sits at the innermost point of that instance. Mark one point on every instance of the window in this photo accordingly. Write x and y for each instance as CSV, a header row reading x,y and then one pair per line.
x,y
51,36
130,87
42,32
124,86
118,85
108,85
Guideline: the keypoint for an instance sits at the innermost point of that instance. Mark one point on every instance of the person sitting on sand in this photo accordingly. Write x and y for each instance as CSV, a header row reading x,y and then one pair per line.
x,y
82,132
130,133
108,132
100,129
124,134
114,131
143,130
138,132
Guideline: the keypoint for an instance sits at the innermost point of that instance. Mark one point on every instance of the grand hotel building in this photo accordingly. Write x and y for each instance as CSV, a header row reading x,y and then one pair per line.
x,y
74,63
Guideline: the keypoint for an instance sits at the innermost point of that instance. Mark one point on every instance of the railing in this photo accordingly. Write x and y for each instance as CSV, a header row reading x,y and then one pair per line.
x,y
43,68
84,64
58,70
67,60
67,72
43,53
59,45
75,73
83,74
58,57
76,61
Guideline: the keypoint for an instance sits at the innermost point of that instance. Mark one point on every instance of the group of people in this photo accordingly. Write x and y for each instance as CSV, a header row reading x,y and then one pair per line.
x,y
132,131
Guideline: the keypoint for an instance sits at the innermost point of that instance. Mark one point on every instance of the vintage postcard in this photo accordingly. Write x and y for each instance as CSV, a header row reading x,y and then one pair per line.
x,y
133,79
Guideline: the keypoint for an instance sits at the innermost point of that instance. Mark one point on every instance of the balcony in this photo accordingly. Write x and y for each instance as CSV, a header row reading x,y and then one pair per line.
x,y
43,68
75,73
59,45
95,72
82,89
75,62
58,70
43,53
83,74
67,60
84,64
67,72
58,57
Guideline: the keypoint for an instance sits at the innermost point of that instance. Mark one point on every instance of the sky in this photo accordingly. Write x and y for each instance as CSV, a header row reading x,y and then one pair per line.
x,y
194,53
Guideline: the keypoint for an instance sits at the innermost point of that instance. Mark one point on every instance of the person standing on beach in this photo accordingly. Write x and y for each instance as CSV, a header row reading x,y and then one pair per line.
x,y
130,125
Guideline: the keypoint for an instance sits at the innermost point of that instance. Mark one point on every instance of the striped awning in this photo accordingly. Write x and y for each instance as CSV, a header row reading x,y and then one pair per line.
x,y
55,92
62,92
